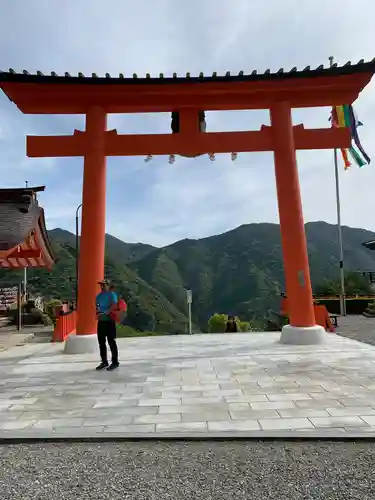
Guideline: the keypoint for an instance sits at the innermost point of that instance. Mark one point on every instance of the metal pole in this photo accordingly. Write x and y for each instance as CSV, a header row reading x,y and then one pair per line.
x,y
19,307
339,230
25,268
77,251
190,325
189,299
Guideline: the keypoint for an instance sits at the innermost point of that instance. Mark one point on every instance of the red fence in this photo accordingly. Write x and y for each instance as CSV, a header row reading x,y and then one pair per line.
x,y
65,325
322,316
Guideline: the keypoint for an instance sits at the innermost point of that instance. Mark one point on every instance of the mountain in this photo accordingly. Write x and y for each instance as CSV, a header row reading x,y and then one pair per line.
x,y
148,308
239,272
118,250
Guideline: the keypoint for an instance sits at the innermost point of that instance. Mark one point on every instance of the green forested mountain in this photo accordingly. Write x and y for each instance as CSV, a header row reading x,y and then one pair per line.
x,y
241,271
237,272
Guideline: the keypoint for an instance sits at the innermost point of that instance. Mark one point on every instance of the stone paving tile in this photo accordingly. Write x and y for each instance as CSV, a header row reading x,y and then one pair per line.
x,y
347,421
318,404
285,423
303,412
108,420
182,427
239,426
117,403
206,416
253,414
238,406
288,397
131,429
366,401
58,422
157,419
369,419
202,400
159,402
273,405
17,425
180,394
193,408
249,398
224,383
351,410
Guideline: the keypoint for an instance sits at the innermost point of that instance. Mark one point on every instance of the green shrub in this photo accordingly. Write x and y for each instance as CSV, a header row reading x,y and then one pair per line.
x,y
217,323
50,308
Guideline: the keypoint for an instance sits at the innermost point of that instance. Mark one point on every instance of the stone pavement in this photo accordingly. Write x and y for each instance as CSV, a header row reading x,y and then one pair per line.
x,y
200,385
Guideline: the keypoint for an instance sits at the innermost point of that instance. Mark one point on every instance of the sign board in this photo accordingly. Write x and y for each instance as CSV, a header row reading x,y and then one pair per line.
x,y
189,296
8,296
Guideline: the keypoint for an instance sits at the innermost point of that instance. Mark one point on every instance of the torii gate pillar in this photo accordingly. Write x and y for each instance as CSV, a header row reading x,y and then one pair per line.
x,y
302,328
91,261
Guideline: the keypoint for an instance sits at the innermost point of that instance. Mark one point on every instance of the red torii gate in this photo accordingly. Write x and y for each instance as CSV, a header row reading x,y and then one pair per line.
x,y
279,92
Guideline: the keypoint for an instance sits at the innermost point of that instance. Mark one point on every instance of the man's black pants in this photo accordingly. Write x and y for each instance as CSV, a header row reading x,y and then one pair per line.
x,y
107,331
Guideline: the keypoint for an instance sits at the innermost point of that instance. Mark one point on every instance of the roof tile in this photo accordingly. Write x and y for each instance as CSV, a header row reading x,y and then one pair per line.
x,y
26,77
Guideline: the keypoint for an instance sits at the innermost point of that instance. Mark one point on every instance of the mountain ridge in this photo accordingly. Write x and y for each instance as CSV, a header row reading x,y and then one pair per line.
x,y
239,272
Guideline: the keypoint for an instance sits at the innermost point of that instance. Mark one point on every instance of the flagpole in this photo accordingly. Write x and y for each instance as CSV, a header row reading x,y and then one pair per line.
x,y
339,229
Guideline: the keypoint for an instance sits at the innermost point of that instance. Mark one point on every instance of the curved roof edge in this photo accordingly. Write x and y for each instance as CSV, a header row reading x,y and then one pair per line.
x,y
348,68
23,232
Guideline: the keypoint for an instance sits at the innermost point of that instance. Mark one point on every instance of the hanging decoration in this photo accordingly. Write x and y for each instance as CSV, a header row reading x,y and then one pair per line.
x,y
212,156
344,116
172,159
234,156
148,158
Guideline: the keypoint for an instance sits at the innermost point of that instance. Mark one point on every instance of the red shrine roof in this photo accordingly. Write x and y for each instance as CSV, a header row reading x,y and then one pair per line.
x,y
74,94
24,240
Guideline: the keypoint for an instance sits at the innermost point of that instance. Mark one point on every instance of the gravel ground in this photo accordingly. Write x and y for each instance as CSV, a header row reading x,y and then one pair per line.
x,y
357,328
188,471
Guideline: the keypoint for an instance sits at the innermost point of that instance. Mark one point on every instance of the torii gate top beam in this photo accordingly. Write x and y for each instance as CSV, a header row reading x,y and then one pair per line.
x,y
40,94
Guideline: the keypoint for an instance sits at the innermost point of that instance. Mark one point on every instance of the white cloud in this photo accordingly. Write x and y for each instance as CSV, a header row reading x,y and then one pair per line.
x,y
157,202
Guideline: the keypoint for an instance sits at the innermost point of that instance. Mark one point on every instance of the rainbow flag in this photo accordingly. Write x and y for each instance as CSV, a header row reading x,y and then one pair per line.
x,y
344,116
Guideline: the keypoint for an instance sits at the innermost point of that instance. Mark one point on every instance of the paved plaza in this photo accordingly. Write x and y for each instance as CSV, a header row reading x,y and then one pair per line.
x,y
200,385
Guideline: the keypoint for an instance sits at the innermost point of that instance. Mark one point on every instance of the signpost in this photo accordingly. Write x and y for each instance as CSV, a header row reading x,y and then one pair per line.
x,y
189,300
8,296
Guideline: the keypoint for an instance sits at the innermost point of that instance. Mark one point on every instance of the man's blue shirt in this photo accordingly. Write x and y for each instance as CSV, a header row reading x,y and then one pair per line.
x,y
104,300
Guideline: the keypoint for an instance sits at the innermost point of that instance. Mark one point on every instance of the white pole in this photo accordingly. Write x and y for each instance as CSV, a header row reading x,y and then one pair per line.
x,y
190,325
25,269
339,230
189,299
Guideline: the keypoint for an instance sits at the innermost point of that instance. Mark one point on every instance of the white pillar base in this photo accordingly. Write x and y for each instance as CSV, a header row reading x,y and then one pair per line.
x,y
298,335
81,344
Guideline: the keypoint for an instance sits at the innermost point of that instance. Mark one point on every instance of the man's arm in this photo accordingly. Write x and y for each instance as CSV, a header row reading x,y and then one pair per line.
x,y
112,301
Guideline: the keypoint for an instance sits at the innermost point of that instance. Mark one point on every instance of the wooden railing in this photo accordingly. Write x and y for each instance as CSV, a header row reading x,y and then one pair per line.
x,y
65,325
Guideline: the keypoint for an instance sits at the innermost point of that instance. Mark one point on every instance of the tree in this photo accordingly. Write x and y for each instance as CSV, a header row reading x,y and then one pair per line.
x,y
355,284
217,323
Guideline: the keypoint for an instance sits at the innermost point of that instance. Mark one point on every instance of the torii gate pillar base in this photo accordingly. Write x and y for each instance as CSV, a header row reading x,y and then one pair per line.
x,y
303,335
81,344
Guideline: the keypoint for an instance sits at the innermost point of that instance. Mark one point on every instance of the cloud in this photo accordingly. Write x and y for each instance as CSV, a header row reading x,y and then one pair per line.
x,y
157,202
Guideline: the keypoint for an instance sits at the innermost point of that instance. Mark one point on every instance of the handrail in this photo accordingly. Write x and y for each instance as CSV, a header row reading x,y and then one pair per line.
x,y
65,325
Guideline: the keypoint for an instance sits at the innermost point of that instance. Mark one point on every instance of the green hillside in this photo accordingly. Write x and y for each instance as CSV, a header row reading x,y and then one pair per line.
x,y
241,271
237,272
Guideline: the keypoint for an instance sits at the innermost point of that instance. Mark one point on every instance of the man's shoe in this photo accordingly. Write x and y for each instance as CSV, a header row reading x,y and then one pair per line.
x,y
102,366
113,366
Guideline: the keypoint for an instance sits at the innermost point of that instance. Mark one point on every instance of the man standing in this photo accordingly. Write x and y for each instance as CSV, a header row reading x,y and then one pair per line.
x,y
106,326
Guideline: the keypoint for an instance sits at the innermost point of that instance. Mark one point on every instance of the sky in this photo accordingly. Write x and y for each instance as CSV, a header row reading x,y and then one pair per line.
x,y
159,203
